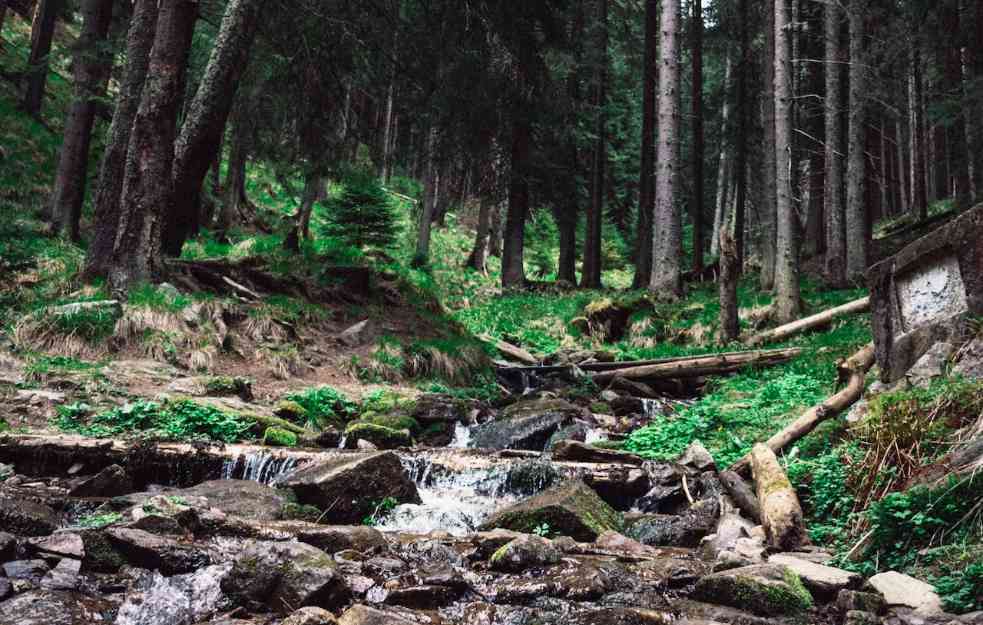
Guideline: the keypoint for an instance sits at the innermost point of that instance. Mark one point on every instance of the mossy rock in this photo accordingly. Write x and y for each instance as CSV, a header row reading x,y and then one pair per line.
x,y
392,421
275,437
224,385
569,509
380,436
291,411
764,589
539,408
293,511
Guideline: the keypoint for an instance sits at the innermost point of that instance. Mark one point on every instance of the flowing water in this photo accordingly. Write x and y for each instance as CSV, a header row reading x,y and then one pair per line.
x,y
261,467
462,436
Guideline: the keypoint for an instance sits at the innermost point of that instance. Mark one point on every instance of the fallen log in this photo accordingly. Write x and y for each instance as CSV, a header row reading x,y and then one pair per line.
x,y
808,323
516,353
853,371
742,494
699,366
781,512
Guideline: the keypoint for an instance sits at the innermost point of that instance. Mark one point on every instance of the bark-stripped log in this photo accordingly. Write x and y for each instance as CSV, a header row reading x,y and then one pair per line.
x,y
701,365
781,513
805,324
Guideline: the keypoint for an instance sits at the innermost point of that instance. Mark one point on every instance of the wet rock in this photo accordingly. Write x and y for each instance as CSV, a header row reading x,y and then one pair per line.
x,y
678,530
365,445
351,487
531,477
848,600
675,571
24,517
424,596
380,436
48,607
384,568
6,589
524,553
619,485
487,543
432,408
569,509
65,576
329,438
8,546
824,582
613,541
177,600
148,551
859,617
764,589
584,583
906,591
621,616
574,432
273,576
310,616
60,544
241,498
26,570
332,539
663,499
364,615
573,451
110,482
165,525
525,425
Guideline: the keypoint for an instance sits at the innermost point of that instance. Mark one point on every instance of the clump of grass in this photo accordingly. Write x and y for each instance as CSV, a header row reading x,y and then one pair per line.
x,y
156,298
455,360
323,406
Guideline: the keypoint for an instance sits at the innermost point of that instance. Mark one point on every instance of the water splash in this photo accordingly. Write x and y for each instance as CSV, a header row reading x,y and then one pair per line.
x,y
261,467
462,436
595,435
651,408
456,502
343,441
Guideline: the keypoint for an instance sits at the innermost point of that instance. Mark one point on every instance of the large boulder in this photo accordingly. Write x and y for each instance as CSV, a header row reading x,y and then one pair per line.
x,y
110,482
671,530
245,499
970,363
310,616
149,551
380,436
335,538
525,425
350,487
764,589
364,615
24,517
568,509
901,590
824,582
575,451
282,577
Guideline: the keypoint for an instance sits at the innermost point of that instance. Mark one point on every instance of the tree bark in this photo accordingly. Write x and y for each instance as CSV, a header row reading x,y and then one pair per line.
x,y
769,206
954,90
835,209
646,182
788,303
147,182
730,327
900,165
429,201
205,119
236,203
696,202
667,242
917,143
856,208
741,149
970,126
488,190
42,33
313,191
513,270
92,65
139,39
591,272
724,166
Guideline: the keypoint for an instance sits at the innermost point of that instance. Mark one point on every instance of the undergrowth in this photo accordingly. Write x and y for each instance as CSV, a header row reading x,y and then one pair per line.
x,y
170,420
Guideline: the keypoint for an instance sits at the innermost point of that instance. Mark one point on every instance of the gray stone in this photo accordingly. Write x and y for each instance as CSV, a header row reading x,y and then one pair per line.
x,y
28,570
824,582
696,457
65,576
8,546
246,499
848,600
859,617
932,365
53,607
6,589
970,364
574,451
177,600
764,589
285,576
148,551
355,335
349,487
364,615
525,425
906,591
524,553
61,544
24,517
332,539
310,616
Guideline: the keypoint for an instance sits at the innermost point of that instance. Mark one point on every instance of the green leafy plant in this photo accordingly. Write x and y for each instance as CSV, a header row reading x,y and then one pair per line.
x,y
324,405
173,420
382,509
543,530
99,521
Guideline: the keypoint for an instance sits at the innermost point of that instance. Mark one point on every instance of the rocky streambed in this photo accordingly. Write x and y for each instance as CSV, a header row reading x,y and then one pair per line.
x,y
175,534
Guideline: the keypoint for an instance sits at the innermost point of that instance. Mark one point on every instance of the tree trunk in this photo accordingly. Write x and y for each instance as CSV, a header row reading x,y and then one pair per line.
x,y
313,191
954,90
724,166
488,189
646,183
856,209
769,207
201,133
513,271
835,210
591,273
696,202
236,202
901,165
917,143
92,64
730,327
139,39
781,512
429,201
42,32
697,366
740,164
970,126
667,243
788,304
147,182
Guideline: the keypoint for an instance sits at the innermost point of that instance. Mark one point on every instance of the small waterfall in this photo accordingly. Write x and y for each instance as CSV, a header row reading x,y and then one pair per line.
x,y
343,441
453,501
651,408
595,435
462,436
261,467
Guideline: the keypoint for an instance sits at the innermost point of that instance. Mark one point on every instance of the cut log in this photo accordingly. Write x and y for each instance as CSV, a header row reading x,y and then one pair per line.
x,y
741,493
809,323
853,371
698,366
781,513
511,351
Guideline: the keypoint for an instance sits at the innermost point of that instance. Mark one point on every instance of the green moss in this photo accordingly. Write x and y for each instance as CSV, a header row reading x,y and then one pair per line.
x,y
391,421
291,411
499,553
276,437
227,385
380,436
600,407
292,511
